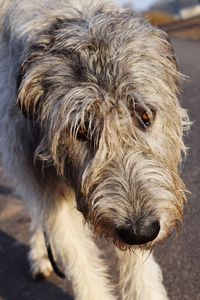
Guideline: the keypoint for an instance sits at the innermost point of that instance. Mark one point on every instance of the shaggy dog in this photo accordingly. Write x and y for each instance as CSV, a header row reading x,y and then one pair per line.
x,y
91,137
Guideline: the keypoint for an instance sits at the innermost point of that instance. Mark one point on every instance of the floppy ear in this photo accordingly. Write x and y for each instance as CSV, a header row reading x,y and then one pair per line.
x,y
29,91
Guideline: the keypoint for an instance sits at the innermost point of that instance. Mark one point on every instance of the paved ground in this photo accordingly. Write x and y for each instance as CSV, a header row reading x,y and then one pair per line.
x,y
180,259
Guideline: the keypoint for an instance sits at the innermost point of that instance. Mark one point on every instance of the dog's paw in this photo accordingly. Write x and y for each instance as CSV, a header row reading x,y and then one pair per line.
x,y
40,268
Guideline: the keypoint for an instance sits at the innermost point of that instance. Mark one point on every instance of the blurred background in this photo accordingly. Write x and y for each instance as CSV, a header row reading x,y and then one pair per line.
x,y
178,17
180,257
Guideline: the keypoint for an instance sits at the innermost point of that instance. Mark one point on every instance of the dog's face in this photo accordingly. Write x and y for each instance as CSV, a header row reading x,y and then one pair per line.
x,y
104,93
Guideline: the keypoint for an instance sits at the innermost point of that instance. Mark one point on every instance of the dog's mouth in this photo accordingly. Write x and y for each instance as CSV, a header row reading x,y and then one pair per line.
x,y
143,233
121,238
124,246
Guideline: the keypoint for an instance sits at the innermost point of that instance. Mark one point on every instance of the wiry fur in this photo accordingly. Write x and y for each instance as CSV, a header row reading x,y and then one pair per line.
x,y
91,67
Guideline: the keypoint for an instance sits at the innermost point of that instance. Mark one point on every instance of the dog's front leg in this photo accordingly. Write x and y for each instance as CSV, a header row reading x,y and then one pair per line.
x,y
39,263
74,244
140,277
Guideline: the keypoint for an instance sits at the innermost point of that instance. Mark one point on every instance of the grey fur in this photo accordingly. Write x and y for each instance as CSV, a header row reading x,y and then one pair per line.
x,y
75,84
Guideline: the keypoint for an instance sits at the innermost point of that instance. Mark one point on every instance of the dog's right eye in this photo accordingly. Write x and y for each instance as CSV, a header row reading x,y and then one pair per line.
x,y
82,134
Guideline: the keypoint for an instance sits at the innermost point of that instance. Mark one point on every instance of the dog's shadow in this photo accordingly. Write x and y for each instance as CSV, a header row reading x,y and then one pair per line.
x,y
15,281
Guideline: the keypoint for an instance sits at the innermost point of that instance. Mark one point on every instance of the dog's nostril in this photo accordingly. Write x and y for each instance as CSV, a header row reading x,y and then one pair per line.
x,y
138,233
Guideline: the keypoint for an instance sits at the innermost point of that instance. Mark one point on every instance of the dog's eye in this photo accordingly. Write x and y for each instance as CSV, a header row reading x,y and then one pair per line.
x,y
82,134
146,119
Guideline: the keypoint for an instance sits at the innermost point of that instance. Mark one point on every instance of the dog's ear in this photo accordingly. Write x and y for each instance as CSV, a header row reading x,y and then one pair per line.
x,y
29,91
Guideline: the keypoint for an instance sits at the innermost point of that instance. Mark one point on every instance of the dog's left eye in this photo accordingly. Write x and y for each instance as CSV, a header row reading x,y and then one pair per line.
x,y
145,117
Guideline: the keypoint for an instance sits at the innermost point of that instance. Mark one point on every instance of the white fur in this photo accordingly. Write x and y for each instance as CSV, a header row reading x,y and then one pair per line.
x,y
140,277
78,252
39,261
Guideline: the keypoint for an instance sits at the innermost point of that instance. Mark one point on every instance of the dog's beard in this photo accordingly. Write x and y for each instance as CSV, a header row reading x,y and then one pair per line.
x,y
138,187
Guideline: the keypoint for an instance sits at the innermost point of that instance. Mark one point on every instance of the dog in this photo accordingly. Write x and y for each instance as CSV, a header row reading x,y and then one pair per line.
x,y
92,139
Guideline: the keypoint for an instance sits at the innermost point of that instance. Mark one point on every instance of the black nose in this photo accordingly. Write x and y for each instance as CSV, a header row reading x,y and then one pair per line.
x,y
141,232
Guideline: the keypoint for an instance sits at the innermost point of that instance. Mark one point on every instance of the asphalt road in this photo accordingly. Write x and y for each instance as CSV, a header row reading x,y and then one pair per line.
x,y
179,258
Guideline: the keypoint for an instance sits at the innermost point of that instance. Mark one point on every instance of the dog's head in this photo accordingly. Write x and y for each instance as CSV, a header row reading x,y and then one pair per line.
x,y
104,92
